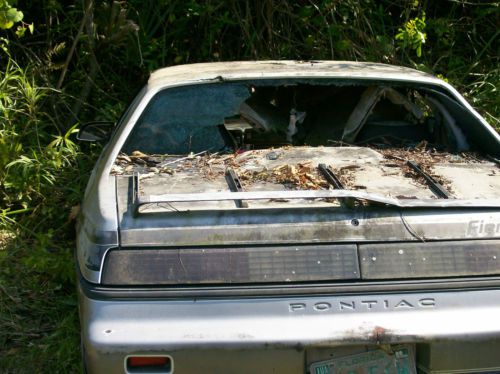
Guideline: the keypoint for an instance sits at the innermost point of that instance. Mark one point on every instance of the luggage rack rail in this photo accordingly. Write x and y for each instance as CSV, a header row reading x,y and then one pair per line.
x,y
140,200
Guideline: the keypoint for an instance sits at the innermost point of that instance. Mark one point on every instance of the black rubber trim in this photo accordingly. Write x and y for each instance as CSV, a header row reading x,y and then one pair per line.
x,y
94,291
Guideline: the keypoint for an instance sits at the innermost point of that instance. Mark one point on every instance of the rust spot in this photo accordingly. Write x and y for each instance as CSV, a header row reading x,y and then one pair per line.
x,y
379,334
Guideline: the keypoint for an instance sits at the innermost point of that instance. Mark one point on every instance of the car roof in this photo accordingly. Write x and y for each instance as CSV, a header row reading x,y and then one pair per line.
x,y
238,70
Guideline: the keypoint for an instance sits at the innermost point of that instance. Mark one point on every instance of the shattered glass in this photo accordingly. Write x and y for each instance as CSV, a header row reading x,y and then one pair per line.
x,y
184,119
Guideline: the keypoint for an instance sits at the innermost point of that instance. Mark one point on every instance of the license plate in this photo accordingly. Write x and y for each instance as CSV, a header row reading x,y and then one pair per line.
x,y
401,360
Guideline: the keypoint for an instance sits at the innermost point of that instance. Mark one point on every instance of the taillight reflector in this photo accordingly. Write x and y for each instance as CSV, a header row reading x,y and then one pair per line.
x,y
150,364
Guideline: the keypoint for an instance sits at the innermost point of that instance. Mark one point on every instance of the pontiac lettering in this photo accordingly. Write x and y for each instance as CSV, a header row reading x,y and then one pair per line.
x,y
361,305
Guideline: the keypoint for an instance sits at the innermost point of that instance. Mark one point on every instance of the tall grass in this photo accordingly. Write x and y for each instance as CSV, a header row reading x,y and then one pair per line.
x,y
42,179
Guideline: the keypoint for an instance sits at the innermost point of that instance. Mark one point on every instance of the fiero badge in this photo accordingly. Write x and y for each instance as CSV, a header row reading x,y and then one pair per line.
x,y
364,305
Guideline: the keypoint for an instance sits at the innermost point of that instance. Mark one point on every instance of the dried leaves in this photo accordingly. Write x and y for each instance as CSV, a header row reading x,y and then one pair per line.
x,y
300,176
253,167
426,158
210,166
346,175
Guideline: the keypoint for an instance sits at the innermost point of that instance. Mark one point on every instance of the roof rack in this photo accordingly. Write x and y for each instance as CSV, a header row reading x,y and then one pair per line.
x,y
139,200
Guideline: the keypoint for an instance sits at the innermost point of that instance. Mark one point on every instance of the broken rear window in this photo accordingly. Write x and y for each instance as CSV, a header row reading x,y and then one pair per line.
x,y
185,119
392,139
254,115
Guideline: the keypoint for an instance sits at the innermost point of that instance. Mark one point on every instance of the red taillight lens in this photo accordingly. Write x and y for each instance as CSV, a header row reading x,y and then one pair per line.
x,y
154,364
176,266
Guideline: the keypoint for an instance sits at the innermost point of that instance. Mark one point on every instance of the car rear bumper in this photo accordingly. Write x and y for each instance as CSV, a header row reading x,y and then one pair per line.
x,y
274,334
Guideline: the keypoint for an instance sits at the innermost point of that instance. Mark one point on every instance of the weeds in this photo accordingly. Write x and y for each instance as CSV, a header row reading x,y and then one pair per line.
x,y
43,177
38,314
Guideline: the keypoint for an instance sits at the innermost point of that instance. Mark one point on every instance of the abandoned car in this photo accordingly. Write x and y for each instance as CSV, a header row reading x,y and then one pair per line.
x,y
292,217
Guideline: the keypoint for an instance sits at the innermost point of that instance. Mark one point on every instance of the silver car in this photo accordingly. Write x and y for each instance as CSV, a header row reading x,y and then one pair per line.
x,y
292,217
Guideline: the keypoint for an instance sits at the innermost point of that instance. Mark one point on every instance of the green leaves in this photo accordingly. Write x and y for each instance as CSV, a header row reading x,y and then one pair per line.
x,y
32,154
21,30
9,15
413,35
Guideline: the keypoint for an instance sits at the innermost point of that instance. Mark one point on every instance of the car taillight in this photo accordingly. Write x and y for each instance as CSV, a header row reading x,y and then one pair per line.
x,y
149,364
292,263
